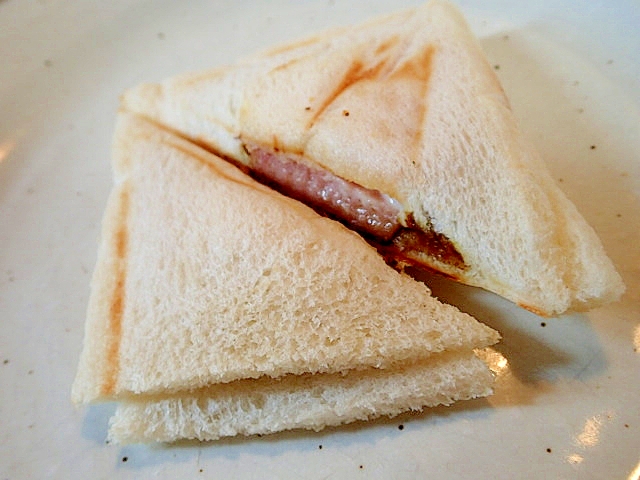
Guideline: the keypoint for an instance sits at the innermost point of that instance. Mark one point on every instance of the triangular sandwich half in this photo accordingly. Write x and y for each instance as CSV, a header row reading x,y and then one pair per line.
x,y
400,128
211,285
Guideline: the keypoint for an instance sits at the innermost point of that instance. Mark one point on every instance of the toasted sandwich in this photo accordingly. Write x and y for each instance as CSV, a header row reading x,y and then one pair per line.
x,y
219,306
400,129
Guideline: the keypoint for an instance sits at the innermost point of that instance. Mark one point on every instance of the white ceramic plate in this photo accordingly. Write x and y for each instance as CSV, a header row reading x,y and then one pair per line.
x,y
567,402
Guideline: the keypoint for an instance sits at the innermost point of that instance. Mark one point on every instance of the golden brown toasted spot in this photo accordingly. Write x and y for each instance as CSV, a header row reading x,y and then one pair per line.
x,y
417,67
387,45
202,158
115,330
292,46
285,65
203,77
417,70
199,141
122,235
349,78
121,241
357,72
276,143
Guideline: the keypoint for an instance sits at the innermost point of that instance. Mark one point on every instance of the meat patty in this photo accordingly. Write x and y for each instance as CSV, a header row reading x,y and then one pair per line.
x,y
368,211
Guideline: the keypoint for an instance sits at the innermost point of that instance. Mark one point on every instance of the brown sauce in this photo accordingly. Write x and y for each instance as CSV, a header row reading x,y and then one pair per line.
x,y
411,243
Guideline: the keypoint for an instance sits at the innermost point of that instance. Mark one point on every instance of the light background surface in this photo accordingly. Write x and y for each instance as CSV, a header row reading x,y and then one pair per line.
x,y
567,401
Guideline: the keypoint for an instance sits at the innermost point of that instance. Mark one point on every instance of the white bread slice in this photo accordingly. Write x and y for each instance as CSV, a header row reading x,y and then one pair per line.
x,y
205,276
428,124
262,406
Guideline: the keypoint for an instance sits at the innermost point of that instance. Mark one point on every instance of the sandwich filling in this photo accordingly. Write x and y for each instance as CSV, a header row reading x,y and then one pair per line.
x,y
368,211
379,218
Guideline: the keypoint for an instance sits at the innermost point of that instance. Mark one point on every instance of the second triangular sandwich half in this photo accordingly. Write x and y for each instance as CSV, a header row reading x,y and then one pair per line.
x,y
400,128
219,307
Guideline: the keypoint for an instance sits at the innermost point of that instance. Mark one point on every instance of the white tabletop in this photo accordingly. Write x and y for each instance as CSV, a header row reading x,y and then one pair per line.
x,y
567,397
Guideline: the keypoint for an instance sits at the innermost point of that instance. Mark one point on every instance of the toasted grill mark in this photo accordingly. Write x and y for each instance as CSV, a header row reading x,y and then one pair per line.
x,y
276,143
116,310
418,69
287,64
415,69
357,72
292,46
198,141
200,154
196,78
387,45
349,79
